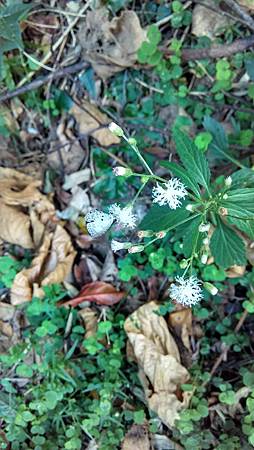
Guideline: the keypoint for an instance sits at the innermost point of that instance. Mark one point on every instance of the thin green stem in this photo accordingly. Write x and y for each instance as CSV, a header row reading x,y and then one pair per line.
x,y
136,150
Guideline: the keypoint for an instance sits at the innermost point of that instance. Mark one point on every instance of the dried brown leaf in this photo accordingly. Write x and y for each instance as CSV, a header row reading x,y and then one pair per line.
x,y
206,22
181,321
89,317
107,44
92,122
52,265
158,356
98,292
236,271
137,438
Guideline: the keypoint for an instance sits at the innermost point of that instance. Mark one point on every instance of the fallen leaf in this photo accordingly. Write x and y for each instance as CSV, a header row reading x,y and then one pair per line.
x,y
137,438
6,311
236,271
89,317
92,122
181,321
158,356
24,209
206,22
107,44
74,179
98,292
52,265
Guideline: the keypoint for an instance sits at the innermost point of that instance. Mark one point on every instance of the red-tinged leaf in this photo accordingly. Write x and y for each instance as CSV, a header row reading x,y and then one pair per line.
x,y
98,292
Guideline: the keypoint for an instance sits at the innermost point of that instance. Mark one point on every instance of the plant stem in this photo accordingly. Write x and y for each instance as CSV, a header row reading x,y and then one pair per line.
x,y
136,150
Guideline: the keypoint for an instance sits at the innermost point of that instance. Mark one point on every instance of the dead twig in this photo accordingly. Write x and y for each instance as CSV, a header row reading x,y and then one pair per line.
x,y
188,54
216,51
38,82
241,13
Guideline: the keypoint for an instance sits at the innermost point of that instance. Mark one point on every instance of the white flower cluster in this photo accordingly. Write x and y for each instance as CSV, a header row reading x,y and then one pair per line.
x,y
186,291
171,193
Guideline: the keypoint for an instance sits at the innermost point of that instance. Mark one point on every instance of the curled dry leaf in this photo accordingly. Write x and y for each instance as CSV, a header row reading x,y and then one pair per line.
x,y
92,122
181,321
158,356
137,438
52,265
89,317
98,292
24,210
107,44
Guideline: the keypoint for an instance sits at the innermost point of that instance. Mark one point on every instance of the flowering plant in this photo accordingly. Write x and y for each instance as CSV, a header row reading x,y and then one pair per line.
x,y
211,219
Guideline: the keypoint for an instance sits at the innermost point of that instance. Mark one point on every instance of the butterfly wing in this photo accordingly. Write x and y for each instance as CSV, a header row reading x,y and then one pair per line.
x,y
98,222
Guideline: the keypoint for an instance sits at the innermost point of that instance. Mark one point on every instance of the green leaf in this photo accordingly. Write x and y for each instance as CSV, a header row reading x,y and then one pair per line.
x,y
193,160
6,410
154,34
228,397
239,203
192,237
246,226
243,178
161,218
10,34
183,175
226,246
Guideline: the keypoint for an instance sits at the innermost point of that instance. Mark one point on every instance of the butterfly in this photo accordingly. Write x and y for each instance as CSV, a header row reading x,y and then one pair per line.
x,y
98,222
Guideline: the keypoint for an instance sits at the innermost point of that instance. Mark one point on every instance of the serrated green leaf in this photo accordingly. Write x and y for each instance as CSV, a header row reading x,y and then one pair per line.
x,y
10,34
193,160
192,237
226,246
246,226
243,178
183,175
240,203
161,218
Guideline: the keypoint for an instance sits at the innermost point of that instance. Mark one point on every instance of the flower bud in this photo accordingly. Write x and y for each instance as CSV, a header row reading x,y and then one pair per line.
x,y
144,233
132,141
116,245
203,227
211,288
136,249
190,207
115,129
206,241
122,171
160,234
183,264
204,258
228,181
225,196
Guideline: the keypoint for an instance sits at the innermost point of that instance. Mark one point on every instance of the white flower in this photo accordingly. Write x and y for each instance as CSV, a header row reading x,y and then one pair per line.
x,y
124,216
115,129
169,193
116,245
186,291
